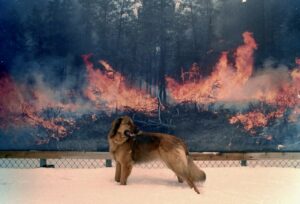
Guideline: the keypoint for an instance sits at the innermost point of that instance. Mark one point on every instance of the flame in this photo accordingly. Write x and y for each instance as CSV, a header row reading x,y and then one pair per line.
x,y
42,99
297,61
108,91
23,105
224,82
296,75
24,108
11,102
244,59
286,97
234,83
251,120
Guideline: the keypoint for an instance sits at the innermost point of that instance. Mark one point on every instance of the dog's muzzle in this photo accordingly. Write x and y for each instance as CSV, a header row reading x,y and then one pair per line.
x,y
128,133
134,133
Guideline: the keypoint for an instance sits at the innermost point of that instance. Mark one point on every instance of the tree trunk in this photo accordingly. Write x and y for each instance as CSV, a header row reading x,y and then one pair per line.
x,y
194,31
162,56
119,36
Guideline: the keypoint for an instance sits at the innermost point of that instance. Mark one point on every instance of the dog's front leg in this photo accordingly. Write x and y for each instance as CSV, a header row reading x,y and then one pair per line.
x,y
180,180
118,172
125,172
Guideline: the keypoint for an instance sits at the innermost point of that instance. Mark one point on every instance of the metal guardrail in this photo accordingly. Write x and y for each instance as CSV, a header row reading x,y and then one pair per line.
x,y
34,159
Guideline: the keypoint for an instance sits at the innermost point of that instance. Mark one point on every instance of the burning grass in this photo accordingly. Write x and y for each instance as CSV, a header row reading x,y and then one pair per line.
x,y
107,90
275,92
21,106
231,83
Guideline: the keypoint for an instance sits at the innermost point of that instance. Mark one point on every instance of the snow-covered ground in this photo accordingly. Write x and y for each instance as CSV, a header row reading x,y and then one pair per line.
x,y
240,185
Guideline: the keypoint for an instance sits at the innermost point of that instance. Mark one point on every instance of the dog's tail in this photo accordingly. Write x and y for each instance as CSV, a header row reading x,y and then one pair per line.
x,y
195,173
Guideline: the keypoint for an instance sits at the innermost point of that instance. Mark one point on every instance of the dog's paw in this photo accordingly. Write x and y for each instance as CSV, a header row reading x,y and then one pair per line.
x,y
123,183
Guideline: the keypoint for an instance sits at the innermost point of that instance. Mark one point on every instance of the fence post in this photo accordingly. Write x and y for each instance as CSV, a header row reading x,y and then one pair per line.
x,y
243,162
43,162
108,163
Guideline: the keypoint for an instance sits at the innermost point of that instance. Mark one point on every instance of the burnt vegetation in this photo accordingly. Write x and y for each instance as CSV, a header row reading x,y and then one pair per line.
x,y
145,40
201,128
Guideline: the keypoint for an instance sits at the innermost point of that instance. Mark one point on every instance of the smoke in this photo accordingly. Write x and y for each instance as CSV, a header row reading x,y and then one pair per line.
x,y
52,82
263,84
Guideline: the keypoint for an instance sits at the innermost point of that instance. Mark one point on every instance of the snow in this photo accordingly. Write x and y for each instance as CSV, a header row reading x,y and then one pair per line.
x,y
224,185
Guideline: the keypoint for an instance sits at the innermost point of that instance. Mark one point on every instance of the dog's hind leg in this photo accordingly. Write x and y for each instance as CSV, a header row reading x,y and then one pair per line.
x,y
176,163
192,184
118,172
125,172
181,176
184,177
179,167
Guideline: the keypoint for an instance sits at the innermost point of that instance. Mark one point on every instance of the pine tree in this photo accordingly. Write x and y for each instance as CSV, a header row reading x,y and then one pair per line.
x,y
35,33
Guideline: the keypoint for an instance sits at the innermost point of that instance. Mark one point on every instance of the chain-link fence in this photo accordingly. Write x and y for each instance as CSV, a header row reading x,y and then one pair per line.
x,y
102,163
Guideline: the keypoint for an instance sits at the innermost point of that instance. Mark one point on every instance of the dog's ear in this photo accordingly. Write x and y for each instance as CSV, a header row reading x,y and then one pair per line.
x,y
114,127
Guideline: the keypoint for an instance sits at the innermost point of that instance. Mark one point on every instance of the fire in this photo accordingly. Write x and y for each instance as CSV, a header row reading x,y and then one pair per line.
x,y
286,97
236,83
24,108
108,91
225,81
297,60
43,99
11,102
251,120
296,75
244,59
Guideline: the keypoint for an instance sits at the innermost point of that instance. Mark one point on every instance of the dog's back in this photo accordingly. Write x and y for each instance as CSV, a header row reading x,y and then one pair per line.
x,y
144,147
171,150
149,146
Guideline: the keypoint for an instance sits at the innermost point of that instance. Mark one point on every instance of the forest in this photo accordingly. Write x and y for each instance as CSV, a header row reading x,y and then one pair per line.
x,y
52,49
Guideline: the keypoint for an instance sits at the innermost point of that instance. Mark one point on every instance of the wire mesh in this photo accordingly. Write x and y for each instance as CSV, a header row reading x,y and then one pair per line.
x,y
19,163
274,163
77,163
101,163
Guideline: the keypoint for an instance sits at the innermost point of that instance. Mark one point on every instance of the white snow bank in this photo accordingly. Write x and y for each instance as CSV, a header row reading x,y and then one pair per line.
x,y
224,185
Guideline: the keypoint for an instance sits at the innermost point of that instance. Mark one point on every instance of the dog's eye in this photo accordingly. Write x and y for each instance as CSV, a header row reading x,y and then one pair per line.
x,y
127,133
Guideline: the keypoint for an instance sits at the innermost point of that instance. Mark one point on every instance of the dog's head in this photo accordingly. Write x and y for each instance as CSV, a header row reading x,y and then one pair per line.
x,y
122,129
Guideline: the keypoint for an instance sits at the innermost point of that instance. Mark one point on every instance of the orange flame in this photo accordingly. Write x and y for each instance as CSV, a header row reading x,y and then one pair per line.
x,y
233,83
224,82
17,110
244,59
284,98
11,101
108,91
251,120
296,76
297,60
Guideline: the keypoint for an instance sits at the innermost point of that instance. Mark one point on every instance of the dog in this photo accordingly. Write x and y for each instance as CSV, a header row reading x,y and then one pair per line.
x,y
128,145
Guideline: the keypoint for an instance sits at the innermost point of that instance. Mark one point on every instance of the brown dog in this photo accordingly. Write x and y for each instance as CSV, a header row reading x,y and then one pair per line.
x,y
127,145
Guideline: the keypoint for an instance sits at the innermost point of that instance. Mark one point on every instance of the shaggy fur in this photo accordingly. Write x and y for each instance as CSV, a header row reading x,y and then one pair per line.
x,y
128,146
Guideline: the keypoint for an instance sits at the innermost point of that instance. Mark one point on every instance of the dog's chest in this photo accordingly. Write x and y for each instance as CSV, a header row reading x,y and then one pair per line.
x,y
122,153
